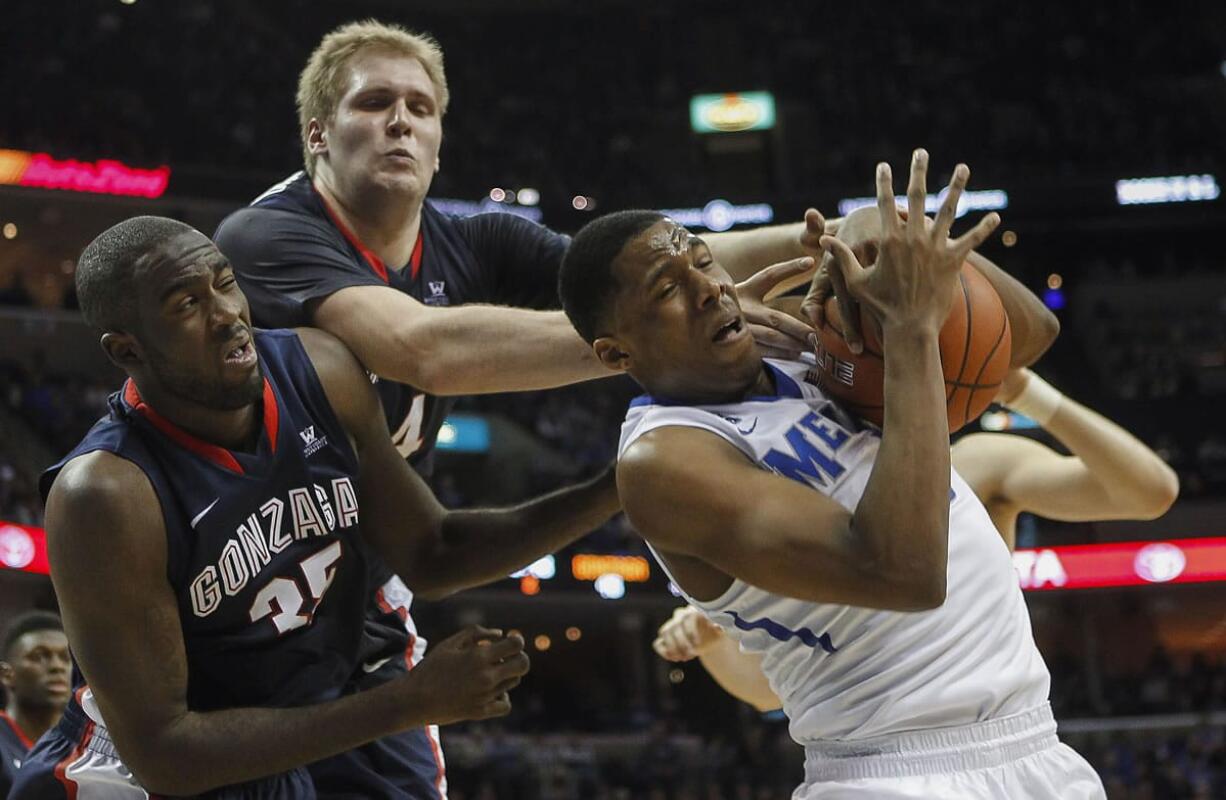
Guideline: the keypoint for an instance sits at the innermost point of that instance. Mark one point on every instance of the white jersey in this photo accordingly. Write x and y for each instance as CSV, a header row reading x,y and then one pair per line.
x,y
845,672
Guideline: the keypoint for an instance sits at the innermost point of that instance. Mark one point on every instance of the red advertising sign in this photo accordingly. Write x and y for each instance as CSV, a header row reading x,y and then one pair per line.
x,y
23,547
1084,566
40,170
1088,566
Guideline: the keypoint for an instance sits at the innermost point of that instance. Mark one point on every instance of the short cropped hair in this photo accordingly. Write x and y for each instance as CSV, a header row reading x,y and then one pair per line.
x,y
322,81
106,289
29,622
586,283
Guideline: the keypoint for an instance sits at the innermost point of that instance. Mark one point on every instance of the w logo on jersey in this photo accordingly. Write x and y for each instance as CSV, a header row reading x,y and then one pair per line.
x,y
311,445
438,294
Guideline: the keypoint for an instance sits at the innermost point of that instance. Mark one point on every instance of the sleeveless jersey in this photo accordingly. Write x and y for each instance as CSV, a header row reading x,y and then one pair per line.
x,y
263,549
14,747
846,672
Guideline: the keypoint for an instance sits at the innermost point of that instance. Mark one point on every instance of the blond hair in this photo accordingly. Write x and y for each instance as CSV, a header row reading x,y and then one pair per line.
x,y
321,83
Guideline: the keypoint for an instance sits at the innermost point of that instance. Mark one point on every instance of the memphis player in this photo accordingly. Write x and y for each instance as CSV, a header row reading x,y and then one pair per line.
x,y
210,541
1108,474
805,536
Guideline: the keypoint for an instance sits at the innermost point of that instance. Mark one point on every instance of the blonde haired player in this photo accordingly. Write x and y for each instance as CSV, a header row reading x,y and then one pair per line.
x,y
1109,474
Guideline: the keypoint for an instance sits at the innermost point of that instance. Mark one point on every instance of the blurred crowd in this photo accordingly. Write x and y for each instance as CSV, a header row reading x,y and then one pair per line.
x,y
1080,88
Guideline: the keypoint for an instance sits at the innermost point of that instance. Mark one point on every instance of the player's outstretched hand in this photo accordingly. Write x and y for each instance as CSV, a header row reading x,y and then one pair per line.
x,y
912,284
779,335
687,634
467,676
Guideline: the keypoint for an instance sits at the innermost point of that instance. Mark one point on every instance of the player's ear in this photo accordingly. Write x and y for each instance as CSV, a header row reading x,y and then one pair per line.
x,y
611,353
6,674
122,349
317,140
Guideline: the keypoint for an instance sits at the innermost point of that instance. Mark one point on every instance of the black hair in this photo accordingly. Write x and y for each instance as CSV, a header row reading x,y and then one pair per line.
x,y
29,622
586,283
105,271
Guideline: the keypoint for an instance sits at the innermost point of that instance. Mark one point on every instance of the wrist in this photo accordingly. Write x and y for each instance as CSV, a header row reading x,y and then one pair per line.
x,y
1038,400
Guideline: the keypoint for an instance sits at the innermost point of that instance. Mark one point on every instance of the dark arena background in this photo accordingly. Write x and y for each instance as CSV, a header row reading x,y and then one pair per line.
x,y
1097,130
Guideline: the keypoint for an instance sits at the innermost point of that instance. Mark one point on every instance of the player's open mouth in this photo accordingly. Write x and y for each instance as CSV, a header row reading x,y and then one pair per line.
x,y
729,331
241,356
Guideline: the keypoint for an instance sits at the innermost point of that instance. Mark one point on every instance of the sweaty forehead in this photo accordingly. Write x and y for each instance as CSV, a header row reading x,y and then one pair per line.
x,y
182,252
386,68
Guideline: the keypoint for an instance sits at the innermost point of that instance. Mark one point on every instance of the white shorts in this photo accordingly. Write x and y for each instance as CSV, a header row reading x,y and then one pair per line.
x,y
1011,758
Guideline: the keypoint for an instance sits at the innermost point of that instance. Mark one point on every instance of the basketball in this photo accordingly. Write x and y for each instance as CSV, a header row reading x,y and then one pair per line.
x,y
975,349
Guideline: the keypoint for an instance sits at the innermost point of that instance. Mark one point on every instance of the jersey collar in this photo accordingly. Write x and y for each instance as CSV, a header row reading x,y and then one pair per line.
x,y
12,723
785,388
376,264
215,454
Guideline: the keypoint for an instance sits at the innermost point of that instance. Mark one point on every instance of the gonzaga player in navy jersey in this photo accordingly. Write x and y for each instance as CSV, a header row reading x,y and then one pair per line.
x,y
805,535
210,542
433,305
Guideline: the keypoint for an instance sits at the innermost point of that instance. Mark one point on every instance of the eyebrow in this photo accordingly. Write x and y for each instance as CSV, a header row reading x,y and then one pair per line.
x,y
215,265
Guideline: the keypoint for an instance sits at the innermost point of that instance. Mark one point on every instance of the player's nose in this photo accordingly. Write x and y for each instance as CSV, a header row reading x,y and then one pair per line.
x,y
707,289
399,119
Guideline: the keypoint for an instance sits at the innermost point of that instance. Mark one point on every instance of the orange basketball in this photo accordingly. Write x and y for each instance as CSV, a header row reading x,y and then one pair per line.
x,y
975,348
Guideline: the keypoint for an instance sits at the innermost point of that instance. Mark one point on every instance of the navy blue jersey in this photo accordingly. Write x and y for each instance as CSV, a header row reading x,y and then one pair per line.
x,y
290,250
263,549
14,746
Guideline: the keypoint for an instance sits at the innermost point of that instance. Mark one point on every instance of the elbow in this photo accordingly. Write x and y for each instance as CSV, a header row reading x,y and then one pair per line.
x,y
1041,333
166,774
1159,495
929,593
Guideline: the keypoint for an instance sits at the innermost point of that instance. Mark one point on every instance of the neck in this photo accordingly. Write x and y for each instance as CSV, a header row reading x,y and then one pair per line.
x,y
33,722
237,429
763,385
385,222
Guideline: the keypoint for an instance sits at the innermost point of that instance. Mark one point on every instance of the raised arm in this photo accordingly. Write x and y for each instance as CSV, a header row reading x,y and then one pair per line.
x,y
1110,474
434,550
781,535
106,539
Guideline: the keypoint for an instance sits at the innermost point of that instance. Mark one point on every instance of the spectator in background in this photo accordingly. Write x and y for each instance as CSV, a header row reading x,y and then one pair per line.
x,y
36,671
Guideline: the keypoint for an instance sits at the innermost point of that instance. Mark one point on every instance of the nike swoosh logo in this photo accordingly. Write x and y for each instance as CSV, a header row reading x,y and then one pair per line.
x,y
200,516
751,427
374,665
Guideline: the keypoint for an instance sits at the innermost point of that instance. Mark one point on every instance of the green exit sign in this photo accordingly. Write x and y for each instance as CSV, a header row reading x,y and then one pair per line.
x,y
733,111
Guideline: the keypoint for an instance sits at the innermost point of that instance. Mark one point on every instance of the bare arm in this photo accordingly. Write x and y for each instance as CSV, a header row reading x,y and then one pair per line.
x,y
470,349
689,633
1032,324
1110,474
434,550
782,536
106,539
744,253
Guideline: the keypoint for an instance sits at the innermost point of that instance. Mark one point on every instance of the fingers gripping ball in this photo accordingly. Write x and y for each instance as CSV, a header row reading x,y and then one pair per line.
x,y
975,349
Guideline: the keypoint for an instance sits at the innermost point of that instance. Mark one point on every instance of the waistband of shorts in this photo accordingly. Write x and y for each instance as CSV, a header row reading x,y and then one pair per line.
x,y
77,727
981,745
